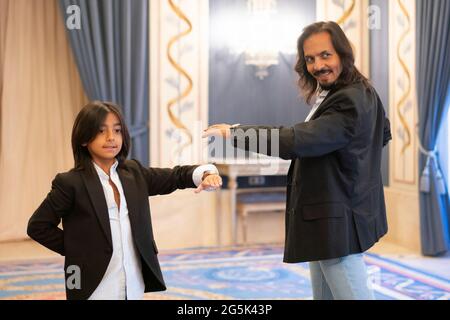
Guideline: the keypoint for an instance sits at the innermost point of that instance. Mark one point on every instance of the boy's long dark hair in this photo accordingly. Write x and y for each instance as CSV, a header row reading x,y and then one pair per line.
x,y
350,74
87,126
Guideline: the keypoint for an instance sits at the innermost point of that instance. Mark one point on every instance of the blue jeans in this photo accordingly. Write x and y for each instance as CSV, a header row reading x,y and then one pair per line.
x,y
343,278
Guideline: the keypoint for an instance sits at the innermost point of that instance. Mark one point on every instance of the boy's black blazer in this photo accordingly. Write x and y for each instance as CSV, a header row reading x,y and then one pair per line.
x,y
77,198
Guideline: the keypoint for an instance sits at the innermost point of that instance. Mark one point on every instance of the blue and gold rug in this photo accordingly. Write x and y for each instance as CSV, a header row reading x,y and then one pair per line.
x,y
236,273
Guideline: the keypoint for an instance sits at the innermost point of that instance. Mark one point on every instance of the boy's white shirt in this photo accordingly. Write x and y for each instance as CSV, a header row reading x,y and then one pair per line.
x,y
123,277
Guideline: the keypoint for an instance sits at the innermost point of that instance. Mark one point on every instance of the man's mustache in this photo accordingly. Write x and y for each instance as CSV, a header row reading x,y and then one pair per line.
x,y
320,72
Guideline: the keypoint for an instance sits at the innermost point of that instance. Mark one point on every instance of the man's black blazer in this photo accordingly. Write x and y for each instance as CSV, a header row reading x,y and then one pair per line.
x,y
335,200
77,198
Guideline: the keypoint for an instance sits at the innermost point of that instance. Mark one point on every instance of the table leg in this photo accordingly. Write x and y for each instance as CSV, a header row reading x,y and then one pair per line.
x,y
218,216
233,186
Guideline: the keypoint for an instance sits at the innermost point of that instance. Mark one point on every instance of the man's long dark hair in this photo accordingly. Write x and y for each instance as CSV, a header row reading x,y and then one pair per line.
x,y
87,126
350,74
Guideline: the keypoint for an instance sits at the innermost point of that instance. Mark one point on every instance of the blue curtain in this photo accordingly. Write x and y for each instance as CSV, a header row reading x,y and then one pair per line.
x,y
111,52
433,89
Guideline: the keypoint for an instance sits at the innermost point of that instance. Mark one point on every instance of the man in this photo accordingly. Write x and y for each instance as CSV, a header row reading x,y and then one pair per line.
x,y
335,206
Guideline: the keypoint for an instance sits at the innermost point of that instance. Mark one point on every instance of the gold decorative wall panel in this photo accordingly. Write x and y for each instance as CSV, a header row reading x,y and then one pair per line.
x,y
403,115
178,81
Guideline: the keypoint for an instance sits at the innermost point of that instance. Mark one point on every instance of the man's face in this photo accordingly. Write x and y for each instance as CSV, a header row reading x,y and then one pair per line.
x,y
322,61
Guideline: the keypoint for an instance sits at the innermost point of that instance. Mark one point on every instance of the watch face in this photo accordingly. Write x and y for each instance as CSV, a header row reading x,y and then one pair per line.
x,y
206,173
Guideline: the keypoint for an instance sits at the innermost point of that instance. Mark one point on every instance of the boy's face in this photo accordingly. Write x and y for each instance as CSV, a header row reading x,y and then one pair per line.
x,y
108,142
322,61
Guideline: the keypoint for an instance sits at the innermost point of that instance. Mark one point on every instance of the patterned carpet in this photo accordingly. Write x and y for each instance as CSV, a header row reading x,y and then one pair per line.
x,y
236,273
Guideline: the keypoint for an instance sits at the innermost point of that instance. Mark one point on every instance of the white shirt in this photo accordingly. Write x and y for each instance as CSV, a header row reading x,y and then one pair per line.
x,y
123,277
320,97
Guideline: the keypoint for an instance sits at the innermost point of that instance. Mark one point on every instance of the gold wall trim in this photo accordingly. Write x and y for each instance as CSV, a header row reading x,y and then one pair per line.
x,y
347,13
172,102
406,93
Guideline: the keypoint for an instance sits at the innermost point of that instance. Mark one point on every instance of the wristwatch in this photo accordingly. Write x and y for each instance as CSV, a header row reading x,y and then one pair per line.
x,y
207,173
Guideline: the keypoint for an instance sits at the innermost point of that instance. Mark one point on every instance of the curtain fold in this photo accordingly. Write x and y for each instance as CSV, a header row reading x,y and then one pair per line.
x,y
40,95
111,51
433,90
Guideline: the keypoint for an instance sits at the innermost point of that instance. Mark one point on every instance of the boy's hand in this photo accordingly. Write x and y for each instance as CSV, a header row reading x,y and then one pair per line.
x,y
209,183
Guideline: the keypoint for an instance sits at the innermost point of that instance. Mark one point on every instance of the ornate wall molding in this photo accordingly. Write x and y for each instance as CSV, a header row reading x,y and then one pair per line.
x,y
403,105
178,81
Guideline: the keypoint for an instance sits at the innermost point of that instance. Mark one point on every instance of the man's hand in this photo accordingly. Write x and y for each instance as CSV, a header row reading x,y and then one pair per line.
x,y
217,130
209,183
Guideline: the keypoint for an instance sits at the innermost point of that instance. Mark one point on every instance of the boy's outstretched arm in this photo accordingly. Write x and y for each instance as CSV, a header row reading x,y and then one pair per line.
x,y
166,180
